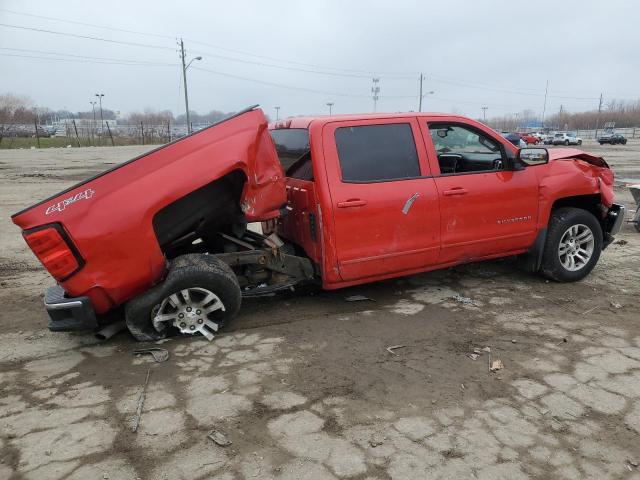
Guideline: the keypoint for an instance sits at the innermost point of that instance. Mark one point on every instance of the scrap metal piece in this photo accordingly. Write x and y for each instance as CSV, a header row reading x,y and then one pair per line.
x,y
219,438
159,354
392,349
357,298
143,393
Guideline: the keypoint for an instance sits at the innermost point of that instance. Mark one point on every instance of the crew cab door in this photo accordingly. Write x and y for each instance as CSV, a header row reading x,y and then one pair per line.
x,y
385,209
486,208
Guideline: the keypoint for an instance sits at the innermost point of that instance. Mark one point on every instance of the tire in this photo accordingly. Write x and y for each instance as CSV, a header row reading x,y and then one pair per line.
x,y
579,142
193,272
566,142
554,264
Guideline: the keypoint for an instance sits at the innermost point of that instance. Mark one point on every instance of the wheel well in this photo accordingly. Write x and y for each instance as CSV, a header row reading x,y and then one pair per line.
x,y
590,203
212,208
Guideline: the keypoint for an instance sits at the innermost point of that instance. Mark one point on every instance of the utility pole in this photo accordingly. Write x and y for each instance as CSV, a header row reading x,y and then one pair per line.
x,y
420,101
484,114
100,95
375,90
598,117
93,126
329,104
516,115
277,113
184,80
544,107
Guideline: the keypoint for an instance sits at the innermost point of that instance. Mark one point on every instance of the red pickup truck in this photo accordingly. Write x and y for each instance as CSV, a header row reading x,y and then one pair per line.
x,y
343,200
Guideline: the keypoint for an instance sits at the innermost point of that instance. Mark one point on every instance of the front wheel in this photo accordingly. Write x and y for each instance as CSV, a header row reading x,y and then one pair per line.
x,y
566,142
579,142
573,245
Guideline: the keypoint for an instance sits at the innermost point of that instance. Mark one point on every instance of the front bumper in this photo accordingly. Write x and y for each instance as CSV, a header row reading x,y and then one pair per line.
x,y
613,222
68,313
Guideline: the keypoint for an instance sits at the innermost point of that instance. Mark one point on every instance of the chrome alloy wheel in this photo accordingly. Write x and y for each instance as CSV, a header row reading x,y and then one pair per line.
x,y
188,310
576,247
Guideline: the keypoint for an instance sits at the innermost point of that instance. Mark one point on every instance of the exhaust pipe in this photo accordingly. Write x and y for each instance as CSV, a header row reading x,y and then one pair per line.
x,y
110,330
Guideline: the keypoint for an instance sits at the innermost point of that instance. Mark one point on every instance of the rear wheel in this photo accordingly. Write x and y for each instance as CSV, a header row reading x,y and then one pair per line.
x,y
573,245
200,295
566,142
579,142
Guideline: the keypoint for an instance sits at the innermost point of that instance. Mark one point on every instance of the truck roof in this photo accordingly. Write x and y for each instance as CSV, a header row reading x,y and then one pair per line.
x,y
306,121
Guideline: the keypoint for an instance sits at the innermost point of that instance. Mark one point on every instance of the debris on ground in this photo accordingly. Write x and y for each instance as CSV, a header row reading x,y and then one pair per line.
x,y
159,354
496,365
358,298
464,300
136,420
219,438
615,305
620,242
487,349
473,356
513,340
590,310
392,349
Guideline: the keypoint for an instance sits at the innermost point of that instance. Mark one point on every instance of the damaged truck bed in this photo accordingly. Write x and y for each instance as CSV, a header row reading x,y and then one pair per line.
x,y
343,200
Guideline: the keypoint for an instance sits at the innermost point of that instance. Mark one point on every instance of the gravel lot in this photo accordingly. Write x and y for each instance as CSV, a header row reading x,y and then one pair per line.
x,y
303,383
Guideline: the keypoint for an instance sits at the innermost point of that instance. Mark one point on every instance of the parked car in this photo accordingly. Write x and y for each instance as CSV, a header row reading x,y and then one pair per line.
x,y
529,138
344,200
612,139
548,139
566,138
516,139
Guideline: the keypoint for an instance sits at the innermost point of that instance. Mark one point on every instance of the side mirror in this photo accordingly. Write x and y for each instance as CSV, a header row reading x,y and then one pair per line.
x,y
533,156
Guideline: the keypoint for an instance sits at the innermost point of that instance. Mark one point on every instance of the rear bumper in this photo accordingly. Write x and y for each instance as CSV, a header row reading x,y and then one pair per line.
x,y
68,313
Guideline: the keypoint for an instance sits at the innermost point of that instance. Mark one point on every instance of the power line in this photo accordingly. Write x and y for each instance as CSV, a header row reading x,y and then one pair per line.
x,y
122,60
88,37
278,85
75,22
79,60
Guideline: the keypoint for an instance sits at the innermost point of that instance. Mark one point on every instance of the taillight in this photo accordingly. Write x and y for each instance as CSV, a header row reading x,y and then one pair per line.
x,y
53,251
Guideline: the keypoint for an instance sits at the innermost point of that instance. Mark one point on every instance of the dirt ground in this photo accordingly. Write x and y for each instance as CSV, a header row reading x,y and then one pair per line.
x,y
303,383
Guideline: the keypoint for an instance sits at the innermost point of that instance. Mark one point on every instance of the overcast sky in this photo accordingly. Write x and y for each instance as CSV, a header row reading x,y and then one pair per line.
x,y
497,54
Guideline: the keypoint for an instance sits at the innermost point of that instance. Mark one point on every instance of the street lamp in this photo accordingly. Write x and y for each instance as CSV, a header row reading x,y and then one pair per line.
x,y
93,126
423,95
184,78
100,95
277,113
329,104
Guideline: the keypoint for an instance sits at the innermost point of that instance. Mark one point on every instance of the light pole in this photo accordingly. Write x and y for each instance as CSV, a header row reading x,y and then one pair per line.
x,y
184,79
93,126
277,113
100,95
484,114
423,95
329,104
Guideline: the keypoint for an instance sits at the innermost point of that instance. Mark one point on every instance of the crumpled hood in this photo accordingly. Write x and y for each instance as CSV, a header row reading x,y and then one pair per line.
x,y
568,153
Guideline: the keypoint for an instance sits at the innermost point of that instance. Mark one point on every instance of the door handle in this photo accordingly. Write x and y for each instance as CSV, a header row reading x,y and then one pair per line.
x,y
352,203
455,191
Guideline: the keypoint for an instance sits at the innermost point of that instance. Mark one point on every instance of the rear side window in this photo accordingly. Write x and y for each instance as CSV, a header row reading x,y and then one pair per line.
x,y
374,153
291,144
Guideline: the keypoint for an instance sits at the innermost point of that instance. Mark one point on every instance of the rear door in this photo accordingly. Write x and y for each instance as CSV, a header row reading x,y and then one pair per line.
x,y
385,204
486,209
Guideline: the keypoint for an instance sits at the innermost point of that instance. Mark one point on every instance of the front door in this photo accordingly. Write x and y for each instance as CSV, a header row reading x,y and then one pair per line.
x,y
385,209
485,208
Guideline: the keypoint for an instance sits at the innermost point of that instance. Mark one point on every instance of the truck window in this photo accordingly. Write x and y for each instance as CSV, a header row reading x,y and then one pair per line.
x,y
291,144
374,153
463,150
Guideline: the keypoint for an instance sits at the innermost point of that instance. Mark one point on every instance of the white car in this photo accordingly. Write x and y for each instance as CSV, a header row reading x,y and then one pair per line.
x,y
566,138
